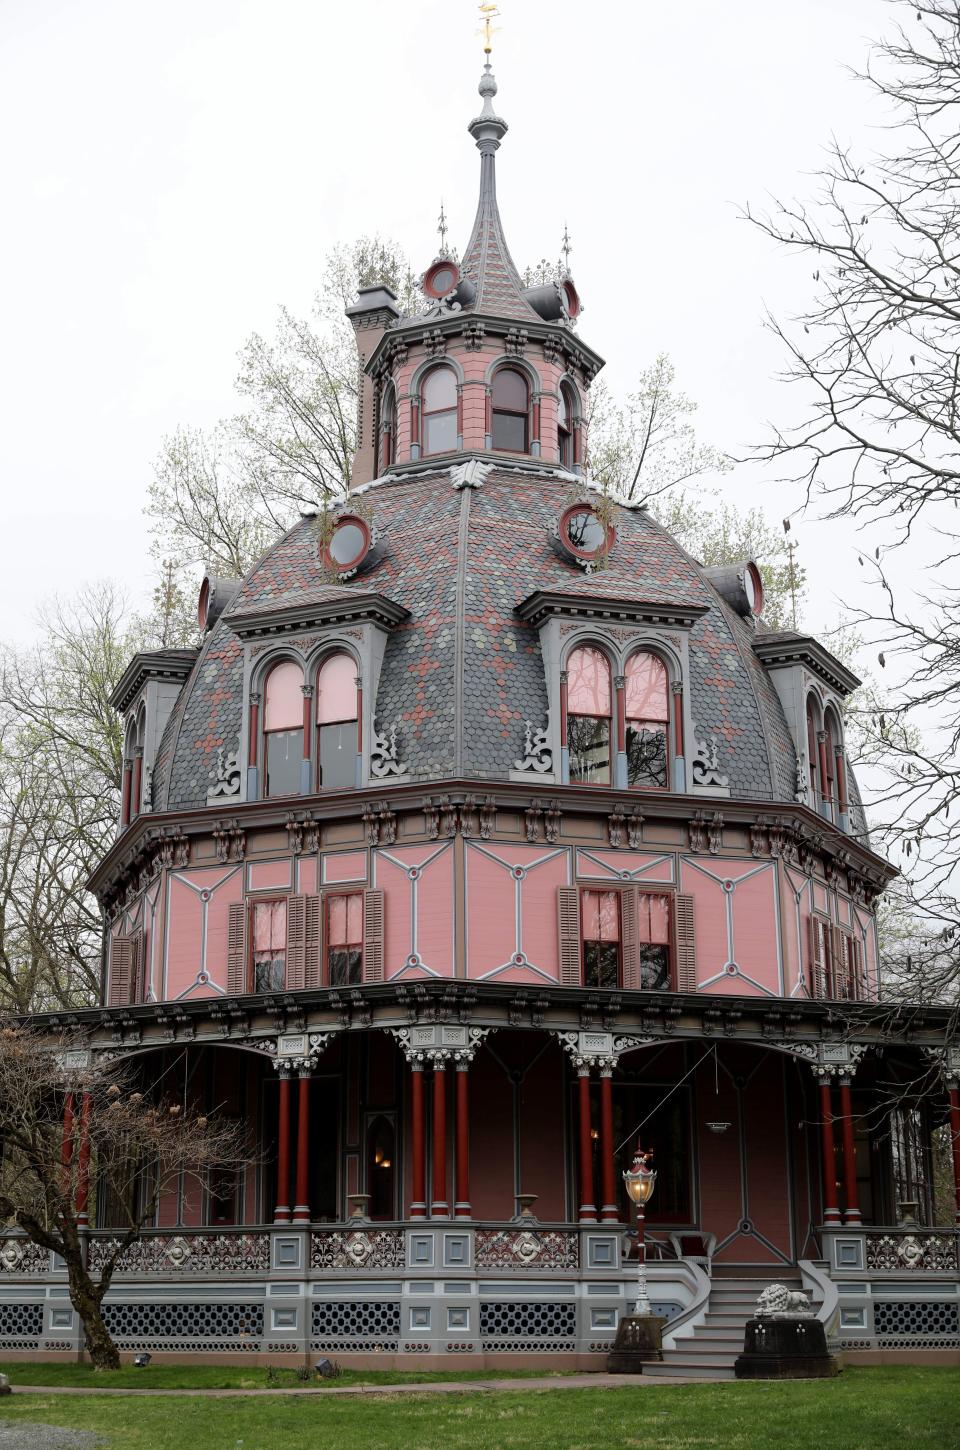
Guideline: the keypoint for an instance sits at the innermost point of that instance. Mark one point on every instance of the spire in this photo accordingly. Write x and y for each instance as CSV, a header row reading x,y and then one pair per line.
x,y
487,260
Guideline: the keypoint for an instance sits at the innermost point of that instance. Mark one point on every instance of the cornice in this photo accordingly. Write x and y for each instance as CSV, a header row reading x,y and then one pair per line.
x,y
804,650
408,329
546,604
172,666
348,608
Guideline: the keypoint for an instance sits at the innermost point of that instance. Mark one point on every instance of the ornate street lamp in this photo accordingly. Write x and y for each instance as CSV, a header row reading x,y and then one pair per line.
x,y
640,1180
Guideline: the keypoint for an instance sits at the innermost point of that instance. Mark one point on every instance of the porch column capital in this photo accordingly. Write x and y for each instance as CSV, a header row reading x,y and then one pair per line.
x,y
599,1050
439,1042
297,1052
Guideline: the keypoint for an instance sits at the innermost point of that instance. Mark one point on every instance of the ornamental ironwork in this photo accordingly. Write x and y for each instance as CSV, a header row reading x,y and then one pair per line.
x,y
912,1252
189,1253
357,1248
21,1256
518,1248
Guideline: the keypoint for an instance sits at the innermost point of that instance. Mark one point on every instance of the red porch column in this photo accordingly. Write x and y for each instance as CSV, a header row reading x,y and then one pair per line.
x,y
461,1207
588,1209
83,1163
125,794
955,1144
301,1206
418,1199
439,1207
281,1214
852,1212
608,1189
831,1213
66,1147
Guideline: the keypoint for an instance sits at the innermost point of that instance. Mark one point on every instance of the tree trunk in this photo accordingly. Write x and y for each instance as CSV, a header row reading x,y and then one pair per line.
x,y
86,1299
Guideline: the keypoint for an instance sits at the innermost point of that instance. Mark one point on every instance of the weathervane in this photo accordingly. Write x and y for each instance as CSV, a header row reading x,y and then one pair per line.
x,y
442,229
566,248
489,12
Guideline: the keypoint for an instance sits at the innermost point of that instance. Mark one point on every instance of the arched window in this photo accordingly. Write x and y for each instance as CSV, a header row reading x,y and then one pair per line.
x,y
511,410
566,423
388,428
830,785
381,1170
813,751
647,710
283,729
589,702
439,400
337,723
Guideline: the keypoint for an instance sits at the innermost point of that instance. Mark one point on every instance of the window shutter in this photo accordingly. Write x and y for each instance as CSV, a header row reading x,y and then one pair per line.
x,y
859,976
137,993
686,943
237,949
816,964
629,945
121,970
568,915
296,942
312,942
839,986
373,936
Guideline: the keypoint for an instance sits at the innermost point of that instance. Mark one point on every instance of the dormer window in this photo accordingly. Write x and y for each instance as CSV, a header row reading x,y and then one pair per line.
x,y
283,729
589,703
510,398
439,403
566,426
337,722
647,710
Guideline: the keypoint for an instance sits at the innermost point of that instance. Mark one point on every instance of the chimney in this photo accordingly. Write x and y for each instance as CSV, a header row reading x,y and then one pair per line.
x,y
371,315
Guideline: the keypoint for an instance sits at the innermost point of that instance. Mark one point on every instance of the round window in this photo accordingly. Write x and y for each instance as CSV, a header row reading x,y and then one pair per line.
x,y
753,588
349,542
441,278
584,534
203,605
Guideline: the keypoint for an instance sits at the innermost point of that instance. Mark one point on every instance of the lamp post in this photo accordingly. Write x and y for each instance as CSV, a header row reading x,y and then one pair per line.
x,y
640,1180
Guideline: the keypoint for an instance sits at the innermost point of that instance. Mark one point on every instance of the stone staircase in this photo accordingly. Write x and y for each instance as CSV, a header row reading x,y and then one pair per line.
x,y
709,1350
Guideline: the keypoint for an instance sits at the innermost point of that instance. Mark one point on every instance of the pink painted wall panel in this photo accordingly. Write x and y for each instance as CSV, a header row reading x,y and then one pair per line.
x,y
418,910
710,920
222,897
307,875
344,866
512,911
269,875
754,945
792,936
623,865
755,928
184,935
491,914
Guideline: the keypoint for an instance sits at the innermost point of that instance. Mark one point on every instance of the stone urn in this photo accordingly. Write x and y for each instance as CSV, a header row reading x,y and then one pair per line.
x,y
359,1207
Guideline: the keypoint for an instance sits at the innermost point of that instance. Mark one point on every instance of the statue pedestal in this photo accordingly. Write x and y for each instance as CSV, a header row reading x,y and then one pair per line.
x,y
785,1347
639,1340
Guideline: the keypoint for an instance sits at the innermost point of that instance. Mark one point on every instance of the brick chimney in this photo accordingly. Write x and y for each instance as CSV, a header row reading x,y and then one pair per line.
x,y
371,315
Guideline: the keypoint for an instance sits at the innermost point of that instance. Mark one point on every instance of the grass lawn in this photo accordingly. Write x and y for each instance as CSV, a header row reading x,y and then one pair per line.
x,y
237,1376
866,1409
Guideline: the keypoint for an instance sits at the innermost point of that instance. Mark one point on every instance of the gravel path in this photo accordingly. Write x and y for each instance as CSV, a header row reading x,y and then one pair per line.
x,y
21,1436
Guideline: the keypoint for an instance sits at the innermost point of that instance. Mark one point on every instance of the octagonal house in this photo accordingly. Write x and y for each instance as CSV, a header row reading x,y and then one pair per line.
x,y
486,835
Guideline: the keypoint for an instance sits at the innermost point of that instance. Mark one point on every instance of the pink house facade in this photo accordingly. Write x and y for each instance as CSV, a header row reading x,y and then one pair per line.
x,y
486,835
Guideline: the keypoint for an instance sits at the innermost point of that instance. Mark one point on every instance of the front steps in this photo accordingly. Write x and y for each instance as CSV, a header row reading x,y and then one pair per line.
x,y
709,1350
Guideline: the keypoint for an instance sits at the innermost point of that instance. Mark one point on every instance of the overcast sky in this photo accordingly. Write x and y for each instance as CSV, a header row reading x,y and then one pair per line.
x,y
173,173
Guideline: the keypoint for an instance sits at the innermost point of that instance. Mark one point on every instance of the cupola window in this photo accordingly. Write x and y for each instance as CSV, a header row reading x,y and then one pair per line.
x,y
584,534
388,429
566,423
647,710
511,410
283,729
337,722
589,700
439,397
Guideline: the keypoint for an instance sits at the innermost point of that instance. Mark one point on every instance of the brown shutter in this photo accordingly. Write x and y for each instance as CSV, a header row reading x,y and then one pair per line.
x,y
137,954
859,976
686,943
816,963
838,963
121,970
629,943
312,943
373,936
237,949
296,943
568,916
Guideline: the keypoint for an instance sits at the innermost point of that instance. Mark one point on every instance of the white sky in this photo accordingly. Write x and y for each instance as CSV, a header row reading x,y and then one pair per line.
x,y
172,173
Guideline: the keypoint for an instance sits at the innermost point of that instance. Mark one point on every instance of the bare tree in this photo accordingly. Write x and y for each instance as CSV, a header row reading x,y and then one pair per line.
x,y
875,358
68,1120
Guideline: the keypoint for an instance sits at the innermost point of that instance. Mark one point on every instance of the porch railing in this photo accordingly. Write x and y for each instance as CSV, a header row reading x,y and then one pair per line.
x,y
911,1249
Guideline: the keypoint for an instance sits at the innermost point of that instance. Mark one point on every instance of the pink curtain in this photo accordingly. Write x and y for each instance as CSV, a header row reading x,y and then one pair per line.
x,y
601,916
654,919
345,920
283,706
647,689
270,926
588,682
337,690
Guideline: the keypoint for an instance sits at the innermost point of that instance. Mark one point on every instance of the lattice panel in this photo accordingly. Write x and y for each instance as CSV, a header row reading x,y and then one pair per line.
x,y
21,1326
526,1321
912,1317
175,1326
903,1253
210,1253
355,1324
527,1249
376,1249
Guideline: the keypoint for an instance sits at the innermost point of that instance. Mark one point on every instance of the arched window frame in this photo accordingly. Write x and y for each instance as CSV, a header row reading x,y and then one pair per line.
x,y
388,426
670,721
316,665
813,724
534,391
523,414
259,726
567,713
570,442
836,767
418,414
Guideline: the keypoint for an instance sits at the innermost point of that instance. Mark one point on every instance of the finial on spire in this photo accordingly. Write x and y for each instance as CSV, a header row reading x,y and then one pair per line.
x,y
442,229
566,249
489,13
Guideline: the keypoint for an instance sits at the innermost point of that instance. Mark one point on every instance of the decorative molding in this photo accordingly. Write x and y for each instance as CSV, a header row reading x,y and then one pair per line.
x,y
299,1051
383,754
537,753
546,604
706,764
471,474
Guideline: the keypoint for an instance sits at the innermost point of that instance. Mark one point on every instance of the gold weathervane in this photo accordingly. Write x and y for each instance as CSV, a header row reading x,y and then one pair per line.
x,y
489,12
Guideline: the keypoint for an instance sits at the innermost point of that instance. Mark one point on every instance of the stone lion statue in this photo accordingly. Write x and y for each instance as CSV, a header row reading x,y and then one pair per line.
x,y
778,1299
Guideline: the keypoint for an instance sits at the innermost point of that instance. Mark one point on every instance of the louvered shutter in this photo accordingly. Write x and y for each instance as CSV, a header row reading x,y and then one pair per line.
x,y
312,943
838,963
568,918
685,931
373,936
136,993
859,977
816,963
296,943
629,943
121,970
237,949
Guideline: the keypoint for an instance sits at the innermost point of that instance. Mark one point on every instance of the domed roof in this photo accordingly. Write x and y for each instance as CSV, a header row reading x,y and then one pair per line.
x,y
462,671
